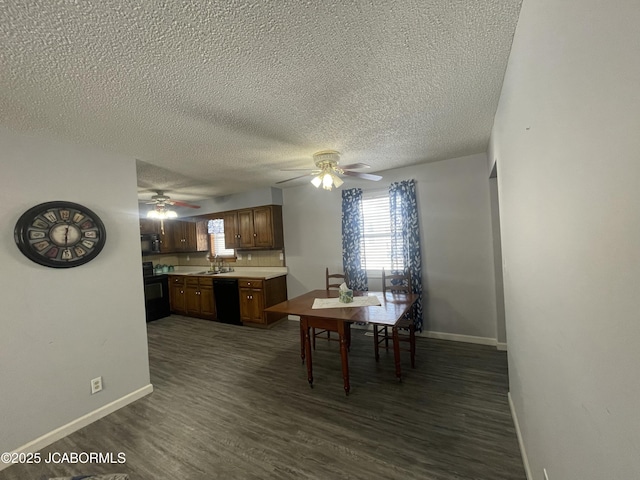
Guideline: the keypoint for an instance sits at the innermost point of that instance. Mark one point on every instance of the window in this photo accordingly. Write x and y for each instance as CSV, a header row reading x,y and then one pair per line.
x,y
216,236
377,232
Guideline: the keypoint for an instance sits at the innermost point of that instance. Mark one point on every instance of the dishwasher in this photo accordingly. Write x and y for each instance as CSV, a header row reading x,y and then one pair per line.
x,y
225,291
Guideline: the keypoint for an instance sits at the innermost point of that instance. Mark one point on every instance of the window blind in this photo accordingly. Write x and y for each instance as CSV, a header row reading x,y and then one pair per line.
x,y
216,230
377,232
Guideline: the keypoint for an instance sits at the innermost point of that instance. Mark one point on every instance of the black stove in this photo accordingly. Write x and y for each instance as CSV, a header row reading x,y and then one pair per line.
x,y
156,293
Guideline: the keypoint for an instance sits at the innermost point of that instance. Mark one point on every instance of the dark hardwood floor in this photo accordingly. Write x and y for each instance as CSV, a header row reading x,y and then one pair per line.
x,y
233,403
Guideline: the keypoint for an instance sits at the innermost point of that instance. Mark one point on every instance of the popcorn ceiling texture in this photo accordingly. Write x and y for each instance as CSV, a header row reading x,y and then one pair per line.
x,y
216,97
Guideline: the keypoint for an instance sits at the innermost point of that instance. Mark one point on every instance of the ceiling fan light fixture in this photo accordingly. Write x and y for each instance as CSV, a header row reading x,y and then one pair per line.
x,y
337,181
161,213
327,180
317,181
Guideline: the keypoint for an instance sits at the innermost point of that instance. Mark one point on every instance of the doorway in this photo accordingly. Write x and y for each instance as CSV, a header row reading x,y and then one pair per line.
x,y
501,330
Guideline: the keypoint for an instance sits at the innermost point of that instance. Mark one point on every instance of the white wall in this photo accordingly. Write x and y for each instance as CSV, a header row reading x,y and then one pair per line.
x,y
62,327
567,140
455,227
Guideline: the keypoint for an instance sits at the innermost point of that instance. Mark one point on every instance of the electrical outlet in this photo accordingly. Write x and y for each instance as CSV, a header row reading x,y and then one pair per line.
x,y
96,385
546,477
281,256
239,256
249,257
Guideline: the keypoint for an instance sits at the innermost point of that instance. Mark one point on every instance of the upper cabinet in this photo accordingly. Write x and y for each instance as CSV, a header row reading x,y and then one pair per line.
x,y
147,225
178,236
254,228
258,228
188,236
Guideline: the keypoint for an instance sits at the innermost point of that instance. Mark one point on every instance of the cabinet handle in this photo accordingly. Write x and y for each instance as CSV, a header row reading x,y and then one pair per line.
x,y
181,291
255,234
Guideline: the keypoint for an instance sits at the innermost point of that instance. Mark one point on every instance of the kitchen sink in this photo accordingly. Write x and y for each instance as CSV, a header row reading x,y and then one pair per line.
x,y
207,272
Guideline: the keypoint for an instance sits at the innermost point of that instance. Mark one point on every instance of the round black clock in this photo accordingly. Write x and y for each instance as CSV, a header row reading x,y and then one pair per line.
x,y
60,234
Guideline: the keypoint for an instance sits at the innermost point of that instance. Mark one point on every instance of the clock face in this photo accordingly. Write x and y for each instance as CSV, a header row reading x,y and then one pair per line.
x,y
60,234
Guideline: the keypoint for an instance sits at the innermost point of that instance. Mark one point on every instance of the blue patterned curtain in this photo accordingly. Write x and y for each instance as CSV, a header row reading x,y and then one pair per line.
x,y
353,239
405,238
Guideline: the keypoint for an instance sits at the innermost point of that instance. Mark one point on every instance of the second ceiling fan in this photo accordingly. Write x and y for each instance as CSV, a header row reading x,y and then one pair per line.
x,y
328,170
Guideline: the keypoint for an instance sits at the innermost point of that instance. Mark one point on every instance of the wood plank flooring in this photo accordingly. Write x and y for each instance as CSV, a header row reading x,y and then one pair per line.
x,y
233,403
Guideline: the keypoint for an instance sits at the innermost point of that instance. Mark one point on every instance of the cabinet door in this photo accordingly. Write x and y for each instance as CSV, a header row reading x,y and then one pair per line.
x,y
202,236
190,236
147,225
262,227
207,304
257,299
246,308
230,229
192,300
176,298
245,228
177,234
167,239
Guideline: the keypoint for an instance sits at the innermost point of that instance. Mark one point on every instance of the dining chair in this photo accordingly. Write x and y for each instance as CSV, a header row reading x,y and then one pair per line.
x,y
400,284
332,282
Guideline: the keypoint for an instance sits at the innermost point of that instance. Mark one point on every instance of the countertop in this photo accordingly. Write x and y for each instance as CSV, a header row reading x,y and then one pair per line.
x,y
264,273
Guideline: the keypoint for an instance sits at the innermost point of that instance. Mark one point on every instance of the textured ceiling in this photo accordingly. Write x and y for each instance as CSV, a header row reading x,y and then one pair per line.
x,y
216,97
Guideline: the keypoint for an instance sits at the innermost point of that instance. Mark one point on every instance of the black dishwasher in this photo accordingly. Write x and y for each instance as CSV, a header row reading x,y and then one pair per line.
x,y
225,291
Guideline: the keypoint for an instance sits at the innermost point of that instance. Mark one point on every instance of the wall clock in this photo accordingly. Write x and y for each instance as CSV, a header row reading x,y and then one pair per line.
x,y
60,234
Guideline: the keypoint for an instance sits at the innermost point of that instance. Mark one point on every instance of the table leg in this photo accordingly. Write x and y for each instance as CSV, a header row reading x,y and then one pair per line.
x,y
347,330
342,331
307,346
396,352
375,342
301,341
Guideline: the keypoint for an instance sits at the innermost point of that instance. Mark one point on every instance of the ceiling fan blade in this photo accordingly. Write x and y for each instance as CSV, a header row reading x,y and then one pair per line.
x,y
366,176
178,203
294,178
354,166
294,169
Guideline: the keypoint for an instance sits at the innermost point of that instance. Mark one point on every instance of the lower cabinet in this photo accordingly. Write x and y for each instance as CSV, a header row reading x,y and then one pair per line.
x,y
192,296
251,301
256,295
177,294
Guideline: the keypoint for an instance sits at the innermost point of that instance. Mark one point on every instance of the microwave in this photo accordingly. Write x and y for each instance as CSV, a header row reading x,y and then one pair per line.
x,y
150,243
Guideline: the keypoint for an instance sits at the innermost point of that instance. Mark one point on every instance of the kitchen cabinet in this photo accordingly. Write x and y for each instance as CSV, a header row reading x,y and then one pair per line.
x,y
231,234
199,297
182,236
148,225
251,301
192,296
254,228
177,295
256,295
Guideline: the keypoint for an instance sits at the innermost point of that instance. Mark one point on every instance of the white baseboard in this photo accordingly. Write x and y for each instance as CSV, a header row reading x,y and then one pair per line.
x,y
81,422
523,452
459,338
439,335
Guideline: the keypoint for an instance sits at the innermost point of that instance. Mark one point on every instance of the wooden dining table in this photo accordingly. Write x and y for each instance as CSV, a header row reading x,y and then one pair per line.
x,y
392,309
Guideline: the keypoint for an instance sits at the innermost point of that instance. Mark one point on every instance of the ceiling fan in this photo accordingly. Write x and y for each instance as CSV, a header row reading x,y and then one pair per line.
x,y
161,200
160,210
327,170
